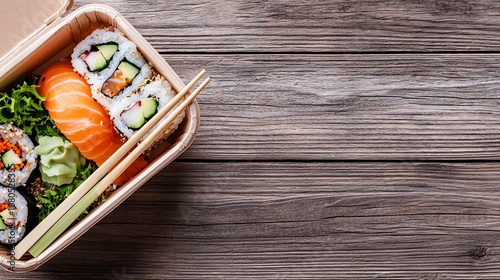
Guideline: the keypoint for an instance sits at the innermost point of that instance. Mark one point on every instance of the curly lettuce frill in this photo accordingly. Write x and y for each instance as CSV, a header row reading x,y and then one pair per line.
x,y
23,107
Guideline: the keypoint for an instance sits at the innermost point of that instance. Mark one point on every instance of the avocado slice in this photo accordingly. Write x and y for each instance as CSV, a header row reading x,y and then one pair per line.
x,y
108,50
129,70
94,60
2,225
133,116
114,84
120,79
136,115
149,107
8,219
10,158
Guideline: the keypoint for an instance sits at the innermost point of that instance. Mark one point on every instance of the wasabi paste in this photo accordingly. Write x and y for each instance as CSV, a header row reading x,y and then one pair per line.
x,y
59,160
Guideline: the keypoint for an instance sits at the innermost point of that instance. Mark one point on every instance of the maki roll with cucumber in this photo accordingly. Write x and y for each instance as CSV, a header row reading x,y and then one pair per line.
x,y
124,76
99,56
122,81
14,215
112,65
133,112
96,57
136,115
18,157
128,76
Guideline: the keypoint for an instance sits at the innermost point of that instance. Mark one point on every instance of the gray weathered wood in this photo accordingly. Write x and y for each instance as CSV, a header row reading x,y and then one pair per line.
x,y
314,26
338,140
344,107
401,220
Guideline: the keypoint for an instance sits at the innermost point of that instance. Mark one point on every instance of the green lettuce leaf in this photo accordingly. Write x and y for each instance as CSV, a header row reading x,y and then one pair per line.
x,y
23,107
54,195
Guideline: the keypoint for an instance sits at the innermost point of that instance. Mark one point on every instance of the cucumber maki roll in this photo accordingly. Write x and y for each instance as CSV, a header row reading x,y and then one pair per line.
x,y
98,55
133,112
112,65
17,154
130,74
13,215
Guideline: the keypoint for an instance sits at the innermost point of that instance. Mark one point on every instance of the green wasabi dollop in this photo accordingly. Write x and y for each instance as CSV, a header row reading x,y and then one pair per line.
x,y
59,160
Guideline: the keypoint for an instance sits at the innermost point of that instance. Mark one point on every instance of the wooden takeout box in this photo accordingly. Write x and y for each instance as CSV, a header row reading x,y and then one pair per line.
x,y
34,35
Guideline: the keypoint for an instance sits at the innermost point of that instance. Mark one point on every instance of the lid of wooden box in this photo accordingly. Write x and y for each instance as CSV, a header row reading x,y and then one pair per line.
x,y
20,20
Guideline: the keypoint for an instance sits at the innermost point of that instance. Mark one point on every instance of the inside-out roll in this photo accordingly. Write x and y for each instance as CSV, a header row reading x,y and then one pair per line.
x,y
131,73
112,65
122,81
98,55
133,112
18,156
13,215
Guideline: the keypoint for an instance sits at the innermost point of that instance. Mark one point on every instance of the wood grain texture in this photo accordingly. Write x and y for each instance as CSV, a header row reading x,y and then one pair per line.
x,y
314,26
346,107
402,220
338,140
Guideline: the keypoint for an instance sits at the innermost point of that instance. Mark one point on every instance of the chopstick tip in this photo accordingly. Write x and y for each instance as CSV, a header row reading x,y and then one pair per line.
x,y
207,80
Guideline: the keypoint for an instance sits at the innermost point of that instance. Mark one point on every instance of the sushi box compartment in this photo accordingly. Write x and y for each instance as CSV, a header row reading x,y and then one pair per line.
x,y
31,43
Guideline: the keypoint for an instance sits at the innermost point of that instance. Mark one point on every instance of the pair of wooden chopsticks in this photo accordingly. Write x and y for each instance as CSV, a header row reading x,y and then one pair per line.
x,y
66,213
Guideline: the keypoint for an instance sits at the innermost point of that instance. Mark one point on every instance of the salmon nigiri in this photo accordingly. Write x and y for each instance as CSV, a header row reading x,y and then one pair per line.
x,y
80,118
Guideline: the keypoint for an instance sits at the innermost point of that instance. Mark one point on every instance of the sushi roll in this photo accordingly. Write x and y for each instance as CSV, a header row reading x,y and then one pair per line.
x,y
133,112
14,212
98,55
130,74
111,64
17,154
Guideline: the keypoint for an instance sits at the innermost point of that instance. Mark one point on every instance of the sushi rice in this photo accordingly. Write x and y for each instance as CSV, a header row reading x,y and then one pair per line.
x,y
157,88
144,74
127,51
144,85
18,138
97,37
15,216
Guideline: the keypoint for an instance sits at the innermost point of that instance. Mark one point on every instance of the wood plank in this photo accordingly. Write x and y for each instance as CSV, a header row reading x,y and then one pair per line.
x,y
346,107
407,220
314,26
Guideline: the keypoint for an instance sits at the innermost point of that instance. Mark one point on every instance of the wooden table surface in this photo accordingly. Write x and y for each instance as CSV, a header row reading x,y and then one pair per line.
x,y
352,139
